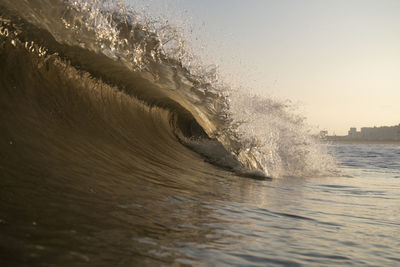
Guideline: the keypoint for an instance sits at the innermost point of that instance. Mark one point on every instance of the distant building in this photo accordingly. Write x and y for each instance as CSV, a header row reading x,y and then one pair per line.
x,y
383,133
353,133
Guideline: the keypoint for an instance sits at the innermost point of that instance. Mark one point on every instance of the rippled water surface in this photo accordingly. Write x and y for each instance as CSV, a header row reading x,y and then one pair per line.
x,y
222,219
116,150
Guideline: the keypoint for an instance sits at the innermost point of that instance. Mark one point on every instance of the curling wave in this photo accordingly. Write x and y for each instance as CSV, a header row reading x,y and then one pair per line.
x,y
91,77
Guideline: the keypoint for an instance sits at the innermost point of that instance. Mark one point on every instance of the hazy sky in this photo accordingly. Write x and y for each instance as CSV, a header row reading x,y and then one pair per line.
x,y
339,59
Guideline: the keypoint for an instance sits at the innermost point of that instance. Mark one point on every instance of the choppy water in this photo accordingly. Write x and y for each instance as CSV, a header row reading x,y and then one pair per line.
x,y
118,148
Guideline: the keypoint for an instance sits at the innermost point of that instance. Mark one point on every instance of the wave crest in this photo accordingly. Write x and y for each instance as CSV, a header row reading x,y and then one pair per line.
x,y
147,60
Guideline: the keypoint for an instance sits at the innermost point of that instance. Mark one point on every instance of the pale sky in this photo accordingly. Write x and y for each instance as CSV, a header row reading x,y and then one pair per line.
x,y
340,59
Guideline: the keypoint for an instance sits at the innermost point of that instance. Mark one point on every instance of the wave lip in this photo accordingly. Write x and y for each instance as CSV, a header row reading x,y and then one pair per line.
x,y
147,61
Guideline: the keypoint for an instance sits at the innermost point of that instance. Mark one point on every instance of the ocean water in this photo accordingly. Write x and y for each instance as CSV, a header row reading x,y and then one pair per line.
x,y
118,147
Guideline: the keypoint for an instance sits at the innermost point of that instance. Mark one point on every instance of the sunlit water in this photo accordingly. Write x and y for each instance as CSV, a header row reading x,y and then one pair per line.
x,y
116,151
338,220
227,220
352,220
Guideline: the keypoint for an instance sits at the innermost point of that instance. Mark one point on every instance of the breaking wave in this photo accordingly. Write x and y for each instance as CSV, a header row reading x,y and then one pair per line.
x,y
97,80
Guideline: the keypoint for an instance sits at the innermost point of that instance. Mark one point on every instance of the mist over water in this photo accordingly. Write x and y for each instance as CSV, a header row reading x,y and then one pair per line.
x,y
118,146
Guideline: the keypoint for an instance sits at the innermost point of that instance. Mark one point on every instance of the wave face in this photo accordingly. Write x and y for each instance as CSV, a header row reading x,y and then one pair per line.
x,y
112,136
93,81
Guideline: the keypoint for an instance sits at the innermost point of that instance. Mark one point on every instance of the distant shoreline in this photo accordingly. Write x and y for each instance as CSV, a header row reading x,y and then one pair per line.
x,y
367,135
365,142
